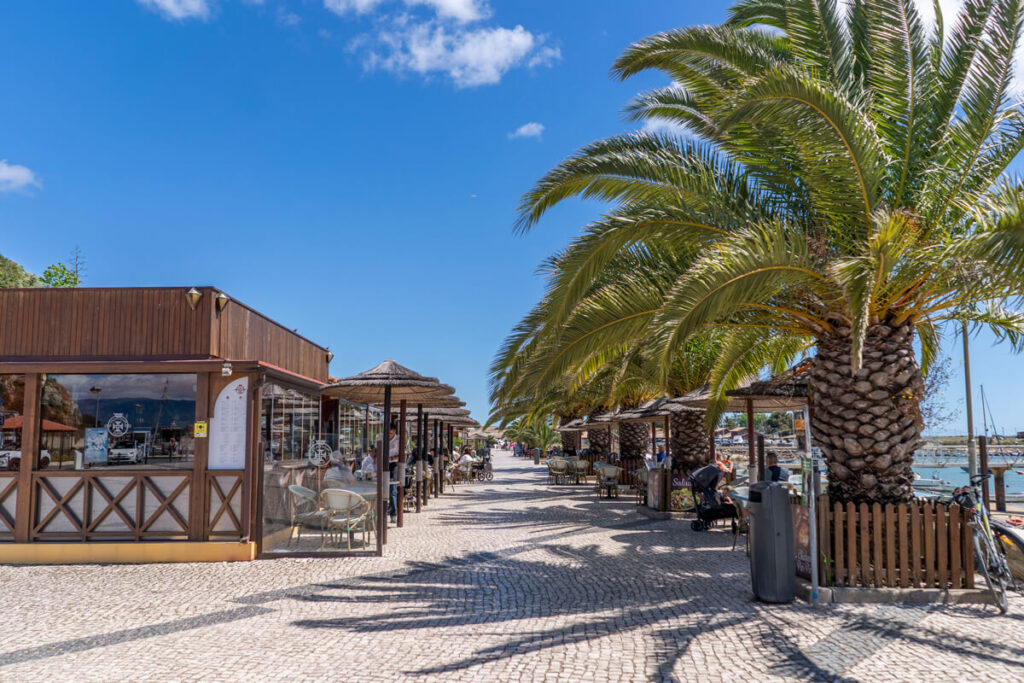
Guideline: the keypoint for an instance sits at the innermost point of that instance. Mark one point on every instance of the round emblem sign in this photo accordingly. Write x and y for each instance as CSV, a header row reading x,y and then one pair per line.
x,y
319,453
118,425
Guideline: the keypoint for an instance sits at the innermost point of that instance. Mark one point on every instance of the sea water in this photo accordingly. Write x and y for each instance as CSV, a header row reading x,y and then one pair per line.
x,y
955,476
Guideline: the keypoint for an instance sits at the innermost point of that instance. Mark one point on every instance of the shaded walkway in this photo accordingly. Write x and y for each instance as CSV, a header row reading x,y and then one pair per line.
x,y
510,580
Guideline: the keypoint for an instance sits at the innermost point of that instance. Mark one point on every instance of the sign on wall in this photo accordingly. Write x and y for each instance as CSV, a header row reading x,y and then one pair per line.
x,y
228,427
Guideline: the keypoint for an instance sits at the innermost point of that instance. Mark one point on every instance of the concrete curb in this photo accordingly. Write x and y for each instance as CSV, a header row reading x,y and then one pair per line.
x,y
885,596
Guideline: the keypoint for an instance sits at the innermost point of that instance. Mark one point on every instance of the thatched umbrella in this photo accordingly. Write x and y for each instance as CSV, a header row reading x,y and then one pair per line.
x,y
783,392
425,409
382,384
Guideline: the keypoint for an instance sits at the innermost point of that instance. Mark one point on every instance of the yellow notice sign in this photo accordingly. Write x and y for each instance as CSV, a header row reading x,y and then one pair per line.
x,y
199,430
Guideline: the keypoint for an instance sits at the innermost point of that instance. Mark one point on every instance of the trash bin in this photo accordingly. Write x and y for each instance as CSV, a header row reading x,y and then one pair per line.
x,y
536,456
772,552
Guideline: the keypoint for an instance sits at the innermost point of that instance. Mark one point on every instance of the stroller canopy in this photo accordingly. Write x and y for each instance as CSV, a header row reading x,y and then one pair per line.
x,y
707,477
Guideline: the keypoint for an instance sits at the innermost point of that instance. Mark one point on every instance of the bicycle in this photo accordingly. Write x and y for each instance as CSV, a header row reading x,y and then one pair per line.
x,y
988,553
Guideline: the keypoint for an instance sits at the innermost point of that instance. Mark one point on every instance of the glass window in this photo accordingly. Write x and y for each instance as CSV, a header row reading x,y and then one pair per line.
x,y
118,421
12,406
298,516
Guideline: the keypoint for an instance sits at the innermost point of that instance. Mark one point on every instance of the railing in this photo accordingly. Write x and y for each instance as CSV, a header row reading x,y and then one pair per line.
x,y
225,516
8,504
126,505
911,545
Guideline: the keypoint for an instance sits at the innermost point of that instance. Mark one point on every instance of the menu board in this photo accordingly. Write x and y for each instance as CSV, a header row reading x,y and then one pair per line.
x,y
228,427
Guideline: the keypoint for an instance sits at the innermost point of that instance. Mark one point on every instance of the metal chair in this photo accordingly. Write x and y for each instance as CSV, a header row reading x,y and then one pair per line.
x,y
304,497
641,485
558,470
608,480
347,512
580,470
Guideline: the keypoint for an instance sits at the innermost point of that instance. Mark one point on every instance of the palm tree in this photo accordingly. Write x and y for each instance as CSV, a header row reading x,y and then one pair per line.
x,y
587,344
842,183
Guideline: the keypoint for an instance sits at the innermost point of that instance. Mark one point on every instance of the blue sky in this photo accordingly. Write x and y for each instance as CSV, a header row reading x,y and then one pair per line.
x,y
326,160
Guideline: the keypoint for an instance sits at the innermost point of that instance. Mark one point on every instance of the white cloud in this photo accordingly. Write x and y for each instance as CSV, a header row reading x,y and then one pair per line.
x,y
664,127
356,6
460,10
527,130
179,9
470,57
15,178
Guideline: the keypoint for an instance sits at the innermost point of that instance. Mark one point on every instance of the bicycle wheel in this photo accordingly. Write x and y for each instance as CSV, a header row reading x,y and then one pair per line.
x,y
989,565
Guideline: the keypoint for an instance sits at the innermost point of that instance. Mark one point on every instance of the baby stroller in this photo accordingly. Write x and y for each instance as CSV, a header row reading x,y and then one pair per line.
x,y
485,472
711,505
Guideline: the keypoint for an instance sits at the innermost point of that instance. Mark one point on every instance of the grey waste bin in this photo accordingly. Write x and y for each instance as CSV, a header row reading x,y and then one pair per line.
x,y
536,456
772,561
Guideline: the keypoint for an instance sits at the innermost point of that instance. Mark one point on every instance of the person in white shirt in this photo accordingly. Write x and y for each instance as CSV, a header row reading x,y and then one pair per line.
x,y
392,468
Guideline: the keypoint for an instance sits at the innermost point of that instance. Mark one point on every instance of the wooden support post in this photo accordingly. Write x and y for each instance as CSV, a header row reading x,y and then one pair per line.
x,y
654,439
198,493
751,455
761,474
983,469
999,481
420,435
30,436
402,458
383,493
437,458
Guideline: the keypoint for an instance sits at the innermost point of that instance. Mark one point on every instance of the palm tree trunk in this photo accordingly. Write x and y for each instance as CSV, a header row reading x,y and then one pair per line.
x,y
568,438
634,437
691,440
868,422
600,442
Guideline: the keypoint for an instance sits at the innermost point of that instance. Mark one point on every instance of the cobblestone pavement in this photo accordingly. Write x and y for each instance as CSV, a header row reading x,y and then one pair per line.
x,y
515,580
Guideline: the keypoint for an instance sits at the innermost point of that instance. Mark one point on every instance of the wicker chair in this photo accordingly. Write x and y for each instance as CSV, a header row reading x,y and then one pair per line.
x,y
304,509
347,513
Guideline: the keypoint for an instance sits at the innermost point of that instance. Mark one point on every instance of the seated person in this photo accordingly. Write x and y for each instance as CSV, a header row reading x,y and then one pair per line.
x,y
772,469
341,473
368,468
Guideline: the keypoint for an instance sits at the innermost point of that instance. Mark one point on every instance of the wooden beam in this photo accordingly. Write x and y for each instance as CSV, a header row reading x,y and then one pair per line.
x,y
29,446
751,454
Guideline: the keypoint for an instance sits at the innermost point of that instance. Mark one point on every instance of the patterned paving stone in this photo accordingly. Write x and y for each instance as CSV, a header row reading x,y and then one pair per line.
x,y
514,580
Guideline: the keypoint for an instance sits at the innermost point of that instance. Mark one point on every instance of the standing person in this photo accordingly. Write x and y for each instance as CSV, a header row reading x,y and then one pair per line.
x,y
392,468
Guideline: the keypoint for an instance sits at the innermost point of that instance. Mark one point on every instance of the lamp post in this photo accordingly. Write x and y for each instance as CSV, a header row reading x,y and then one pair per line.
x,y
96,392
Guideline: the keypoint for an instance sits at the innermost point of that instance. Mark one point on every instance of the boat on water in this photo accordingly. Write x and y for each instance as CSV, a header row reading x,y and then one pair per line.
x,y
930,483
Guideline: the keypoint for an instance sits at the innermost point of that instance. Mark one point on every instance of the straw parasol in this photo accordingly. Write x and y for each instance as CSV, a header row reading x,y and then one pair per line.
x,y
783,392
384,383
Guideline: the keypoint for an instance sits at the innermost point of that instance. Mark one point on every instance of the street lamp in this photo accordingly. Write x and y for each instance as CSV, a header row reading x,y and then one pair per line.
x,y
96,392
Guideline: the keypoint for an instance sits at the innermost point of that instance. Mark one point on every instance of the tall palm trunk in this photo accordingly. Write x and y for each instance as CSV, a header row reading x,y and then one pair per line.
x,y
691,440
634,437
568,438
600,440
868,423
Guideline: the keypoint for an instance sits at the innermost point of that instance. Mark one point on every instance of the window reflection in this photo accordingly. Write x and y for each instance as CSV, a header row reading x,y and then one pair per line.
x,y
118,421
12,406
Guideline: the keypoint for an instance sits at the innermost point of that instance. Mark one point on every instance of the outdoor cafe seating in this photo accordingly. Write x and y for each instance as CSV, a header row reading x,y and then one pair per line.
x,y
334,512
608,480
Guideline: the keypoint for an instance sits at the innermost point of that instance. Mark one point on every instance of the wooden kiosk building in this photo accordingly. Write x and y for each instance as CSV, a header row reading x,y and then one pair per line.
x,y
135,424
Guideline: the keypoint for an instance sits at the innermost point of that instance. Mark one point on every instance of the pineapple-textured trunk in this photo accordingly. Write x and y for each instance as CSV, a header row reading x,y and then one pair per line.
x,y
868,422
634,438
568,438
600,440
691,440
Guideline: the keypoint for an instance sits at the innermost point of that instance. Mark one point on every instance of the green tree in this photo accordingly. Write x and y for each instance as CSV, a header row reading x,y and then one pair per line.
x,y
844,185
12,275
59,275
